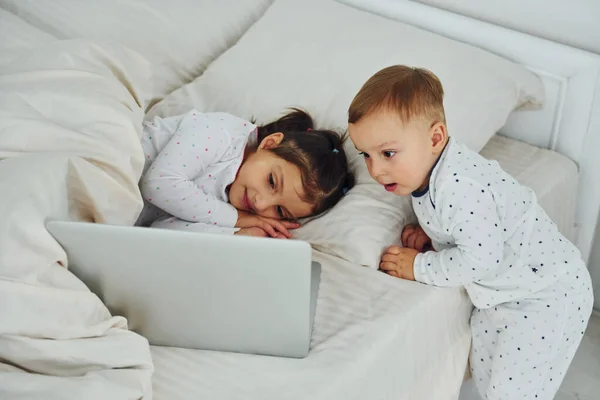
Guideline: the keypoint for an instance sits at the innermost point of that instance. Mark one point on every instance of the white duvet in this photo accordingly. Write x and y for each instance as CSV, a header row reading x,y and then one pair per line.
x,y
70,119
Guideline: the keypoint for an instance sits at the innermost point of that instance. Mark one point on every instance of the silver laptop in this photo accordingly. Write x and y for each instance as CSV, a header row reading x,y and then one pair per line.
x,y
198,290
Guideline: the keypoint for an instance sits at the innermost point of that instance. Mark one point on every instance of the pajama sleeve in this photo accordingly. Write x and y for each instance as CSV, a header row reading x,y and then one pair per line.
x,y
467,212
198,142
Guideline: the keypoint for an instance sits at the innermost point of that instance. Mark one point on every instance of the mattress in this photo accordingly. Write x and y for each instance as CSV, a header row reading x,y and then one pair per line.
x,y
552,176
375,337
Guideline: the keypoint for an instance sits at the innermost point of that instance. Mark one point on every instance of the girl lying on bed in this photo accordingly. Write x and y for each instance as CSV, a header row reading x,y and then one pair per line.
x,y
214,172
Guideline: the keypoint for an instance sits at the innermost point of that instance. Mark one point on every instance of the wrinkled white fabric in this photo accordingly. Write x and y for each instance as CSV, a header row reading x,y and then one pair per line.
x,y
70,120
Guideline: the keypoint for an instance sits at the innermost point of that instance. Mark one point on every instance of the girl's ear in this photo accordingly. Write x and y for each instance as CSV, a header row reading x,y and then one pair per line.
x,y
271,141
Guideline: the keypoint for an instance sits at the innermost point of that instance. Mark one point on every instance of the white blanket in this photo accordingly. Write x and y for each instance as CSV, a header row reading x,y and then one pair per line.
x,y
70,120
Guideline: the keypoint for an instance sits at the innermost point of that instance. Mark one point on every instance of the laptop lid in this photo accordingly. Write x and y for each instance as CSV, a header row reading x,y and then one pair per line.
x,y
199,290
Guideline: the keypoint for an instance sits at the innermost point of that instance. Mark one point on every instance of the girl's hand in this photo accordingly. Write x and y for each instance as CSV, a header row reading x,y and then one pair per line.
x,y
399,262
273,227
254,231
414,237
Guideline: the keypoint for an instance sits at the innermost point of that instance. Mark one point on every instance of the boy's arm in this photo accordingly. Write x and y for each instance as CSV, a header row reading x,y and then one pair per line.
x,y
469,214
169,183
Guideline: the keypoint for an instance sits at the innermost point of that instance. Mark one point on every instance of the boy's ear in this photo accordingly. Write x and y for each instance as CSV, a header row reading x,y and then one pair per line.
x,y
439,137
271,141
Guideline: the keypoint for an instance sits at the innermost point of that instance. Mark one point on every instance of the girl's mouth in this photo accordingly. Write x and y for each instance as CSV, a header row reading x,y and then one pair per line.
x,y
246,201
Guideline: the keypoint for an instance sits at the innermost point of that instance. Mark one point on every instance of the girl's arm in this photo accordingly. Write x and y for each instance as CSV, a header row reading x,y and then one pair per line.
x,y
469,214
199,141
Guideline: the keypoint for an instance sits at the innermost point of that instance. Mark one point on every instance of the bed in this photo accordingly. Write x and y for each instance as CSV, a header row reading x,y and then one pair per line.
x,y
374,336
356,328
551,175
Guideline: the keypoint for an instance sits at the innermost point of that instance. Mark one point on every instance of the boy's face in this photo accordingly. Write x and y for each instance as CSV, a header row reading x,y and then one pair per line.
x,y
398,155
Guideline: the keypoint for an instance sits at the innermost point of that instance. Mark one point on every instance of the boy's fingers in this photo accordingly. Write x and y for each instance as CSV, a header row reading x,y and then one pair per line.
x,y
393,250
408,230
393,273
420,242
388,258
411,241
387,266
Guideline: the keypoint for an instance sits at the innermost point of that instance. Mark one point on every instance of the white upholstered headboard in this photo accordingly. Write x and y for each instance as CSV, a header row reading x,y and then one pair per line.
x,y
569,123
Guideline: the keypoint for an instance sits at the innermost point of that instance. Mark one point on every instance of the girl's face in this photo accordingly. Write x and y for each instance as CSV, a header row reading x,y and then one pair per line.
x,y
398,155
268,185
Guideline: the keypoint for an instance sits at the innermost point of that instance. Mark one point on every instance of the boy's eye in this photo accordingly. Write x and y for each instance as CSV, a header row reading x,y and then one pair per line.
x,y
363,154
388,154
271,181
280,212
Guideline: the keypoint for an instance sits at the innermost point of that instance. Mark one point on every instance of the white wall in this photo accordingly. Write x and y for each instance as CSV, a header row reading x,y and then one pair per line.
x,y
572,22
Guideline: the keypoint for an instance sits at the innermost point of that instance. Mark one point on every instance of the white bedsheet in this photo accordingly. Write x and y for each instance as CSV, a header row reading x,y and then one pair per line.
x,y
375,337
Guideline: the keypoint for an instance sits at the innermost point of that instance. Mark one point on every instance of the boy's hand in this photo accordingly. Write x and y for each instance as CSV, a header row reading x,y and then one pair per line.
x,y
414,237
273,227
399,262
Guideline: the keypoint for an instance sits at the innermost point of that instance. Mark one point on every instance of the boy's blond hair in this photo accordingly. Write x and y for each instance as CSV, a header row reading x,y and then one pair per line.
x,y
409,92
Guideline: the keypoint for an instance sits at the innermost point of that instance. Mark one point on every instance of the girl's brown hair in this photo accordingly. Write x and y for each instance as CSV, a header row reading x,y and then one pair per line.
x,y
318,154
409,92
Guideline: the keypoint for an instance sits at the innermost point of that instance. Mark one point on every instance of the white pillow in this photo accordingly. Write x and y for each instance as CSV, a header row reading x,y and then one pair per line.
x,y
360,226
179,37
316,54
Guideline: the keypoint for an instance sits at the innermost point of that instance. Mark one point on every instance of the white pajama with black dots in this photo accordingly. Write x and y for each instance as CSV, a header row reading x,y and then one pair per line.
x,y
530,287
191,160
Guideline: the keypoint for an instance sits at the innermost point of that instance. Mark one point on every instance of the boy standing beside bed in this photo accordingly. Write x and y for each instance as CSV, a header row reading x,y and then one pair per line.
x,y
531,290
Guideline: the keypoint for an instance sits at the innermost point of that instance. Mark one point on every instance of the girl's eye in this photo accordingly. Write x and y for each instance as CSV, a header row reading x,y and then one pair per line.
x,y
271,181
389,154
365,155
280,212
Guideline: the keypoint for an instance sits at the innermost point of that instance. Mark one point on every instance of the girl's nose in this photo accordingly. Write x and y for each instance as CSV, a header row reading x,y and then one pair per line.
x,y
261,203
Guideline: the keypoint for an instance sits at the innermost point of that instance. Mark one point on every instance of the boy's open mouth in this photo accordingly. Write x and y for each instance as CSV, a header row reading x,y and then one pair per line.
x,y
390,187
